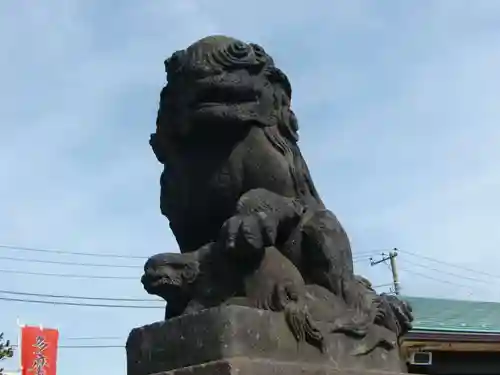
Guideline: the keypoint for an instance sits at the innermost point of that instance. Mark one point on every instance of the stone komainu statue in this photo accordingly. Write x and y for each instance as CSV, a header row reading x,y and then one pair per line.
x,y
235,184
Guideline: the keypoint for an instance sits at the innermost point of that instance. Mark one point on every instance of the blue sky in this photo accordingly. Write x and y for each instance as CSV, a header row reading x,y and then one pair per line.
x,y
398,108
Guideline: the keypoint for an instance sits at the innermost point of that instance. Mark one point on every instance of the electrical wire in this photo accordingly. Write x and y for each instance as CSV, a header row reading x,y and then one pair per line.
x,y
449,264
364,253
361,257
70,275
101,255
111,255
436,270
382,285
83,346
69,263
8,299
78,297
447,272
92,338
91,346
435,278
64,339
357,258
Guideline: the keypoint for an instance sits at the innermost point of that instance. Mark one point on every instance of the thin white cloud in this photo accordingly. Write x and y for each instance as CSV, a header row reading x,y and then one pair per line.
x,y
398,113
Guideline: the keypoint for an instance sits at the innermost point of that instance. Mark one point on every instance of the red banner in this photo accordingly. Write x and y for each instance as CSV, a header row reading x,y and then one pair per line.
x,y
39,350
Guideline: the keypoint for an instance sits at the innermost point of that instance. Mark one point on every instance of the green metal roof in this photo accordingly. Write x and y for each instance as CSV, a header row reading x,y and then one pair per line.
x,y
454,316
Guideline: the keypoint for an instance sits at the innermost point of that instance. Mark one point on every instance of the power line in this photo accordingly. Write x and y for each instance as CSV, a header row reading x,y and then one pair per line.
x,y
356,259
69,263
70,275
449,264
382,285
436,279
92,338
392,258
362,254
365,253
84,346
447,272
78,304
91,346
85,338
101,255
110,255
78,297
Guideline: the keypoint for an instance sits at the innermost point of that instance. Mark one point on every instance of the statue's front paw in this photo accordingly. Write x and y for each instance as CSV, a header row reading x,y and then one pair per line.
x,y
247,235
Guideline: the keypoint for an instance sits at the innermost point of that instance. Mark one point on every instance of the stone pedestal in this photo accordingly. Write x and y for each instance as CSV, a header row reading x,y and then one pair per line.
x,y
243,341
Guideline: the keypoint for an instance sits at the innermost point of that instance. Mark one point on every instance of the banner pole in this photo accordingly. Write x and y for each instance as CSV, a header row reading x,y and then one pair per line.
x,y
19,344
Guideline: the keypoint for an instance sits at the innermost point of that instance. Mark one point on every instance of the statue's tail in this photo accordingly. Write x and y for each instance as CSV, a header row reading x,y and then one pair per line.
x,y
302,326
353,323
362,309
287,299
362,320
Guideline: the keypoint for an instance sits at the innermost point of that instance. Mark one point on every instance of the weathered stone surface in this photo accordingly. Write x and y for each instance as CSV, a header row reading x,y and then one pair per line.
x,y
234,177
233,332
252,231
247,366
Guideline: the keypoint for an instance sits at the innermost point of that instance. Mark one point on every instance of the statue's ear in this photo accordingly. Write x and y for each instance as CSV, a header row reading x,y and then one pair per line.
x,y
287,122
289,125
277,77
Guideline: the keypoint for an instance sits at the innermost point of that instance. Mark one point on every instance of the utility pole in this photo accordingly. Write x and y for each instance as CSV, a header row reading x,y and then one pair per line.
x,y
392,259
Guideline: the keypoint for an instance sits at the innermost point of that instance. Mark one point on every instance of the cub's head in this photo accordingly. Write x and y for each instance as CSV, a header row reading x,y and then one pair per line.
x,y
170,275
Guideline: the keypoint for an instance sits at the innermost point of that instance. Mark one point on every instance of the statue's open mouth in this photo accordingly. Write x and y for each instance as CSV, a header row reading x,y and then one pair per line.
x,y
154,282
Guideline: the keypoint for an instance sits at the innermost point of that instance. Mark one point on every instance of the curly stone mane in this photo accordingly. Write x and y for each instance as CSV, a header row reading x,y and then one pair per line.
x,y
261,96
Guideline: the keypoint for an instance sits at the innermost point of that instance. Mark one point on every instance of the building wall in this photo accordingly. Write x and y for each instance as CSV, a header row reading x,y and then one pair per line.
x,y
461,363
